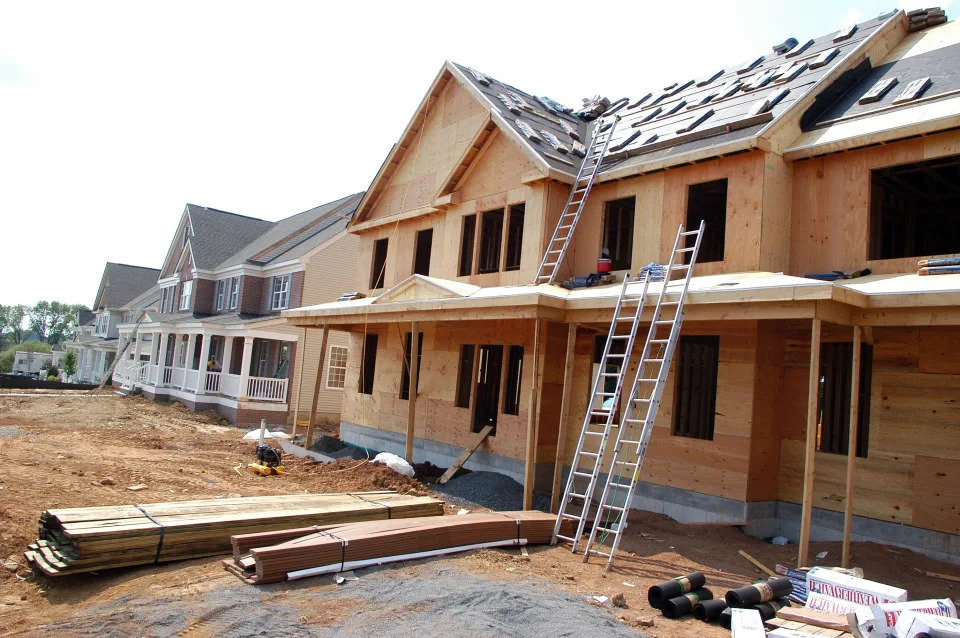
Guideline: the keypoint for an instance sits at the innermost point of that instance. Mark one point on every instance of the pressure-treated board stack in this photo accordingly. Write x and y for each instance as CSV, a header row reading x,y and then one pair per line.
x,y
94,538
347,546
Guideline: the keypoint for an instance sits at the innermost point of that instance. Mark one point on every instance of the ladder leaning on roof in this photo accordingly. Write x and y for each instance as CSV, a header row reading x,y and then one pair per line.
x,y
582,479
567,223
640,410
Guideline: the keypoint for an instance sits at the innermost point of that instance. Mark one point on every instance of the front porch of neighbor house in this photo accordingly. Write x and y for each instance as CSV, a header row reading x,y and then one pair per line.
x,y
240,369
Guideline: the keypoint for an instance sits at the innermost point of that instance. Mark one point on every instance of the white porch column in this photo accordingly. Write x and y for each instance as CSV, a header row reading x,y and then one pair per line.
x,y
227,354
245,366
204,357
136,348
188,359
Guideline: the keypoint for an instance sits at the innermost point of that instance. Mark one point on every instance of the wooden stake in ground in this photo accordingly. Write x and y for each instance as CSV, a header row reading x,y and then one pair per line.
x,y
301,355
555,492
813,395
317,386
412,392
533,417
467,452
852,445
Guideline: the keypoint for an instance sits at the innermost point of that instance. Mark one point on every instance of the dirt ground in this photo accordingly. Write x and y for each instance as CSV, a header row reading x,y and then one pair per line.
x,y
55,451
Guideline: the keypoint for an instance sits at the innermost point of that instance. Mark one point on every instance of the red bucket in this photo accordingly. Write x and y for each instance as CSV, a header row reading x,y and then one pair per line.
x,y
604,265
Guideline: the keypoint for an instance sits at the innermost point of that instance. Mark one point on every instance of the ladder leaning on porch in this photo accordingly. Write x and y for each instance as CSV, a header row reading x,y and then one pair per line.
x,y
567,223
119,357
581,483
640,411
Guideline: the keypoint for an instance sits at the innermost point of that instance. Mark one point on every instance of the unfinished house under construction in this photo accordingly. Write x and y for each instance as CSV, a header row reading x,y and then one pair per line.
x,y
824,156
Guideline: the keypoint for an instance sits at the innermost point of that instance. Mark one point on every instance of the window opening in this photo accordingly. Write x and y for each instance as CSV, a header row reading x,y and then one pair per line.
x,y
488,388
424,246
368,363
379,267
405,375
515,237
465,375
707,202
695,389
511,393
337,367
467,237
618,232
836,367
491,238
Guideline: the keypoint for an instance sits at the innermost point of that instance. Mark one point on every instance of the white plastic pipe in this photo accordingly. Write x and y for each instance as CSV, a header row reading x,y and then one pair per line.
x,y
358,564
263,427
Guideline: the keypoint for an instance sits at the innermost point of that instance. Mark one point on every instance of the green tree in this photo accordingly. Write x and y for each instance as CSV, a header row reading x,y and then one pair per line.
x,y
39,316
18,314
5,312
70,363
6,357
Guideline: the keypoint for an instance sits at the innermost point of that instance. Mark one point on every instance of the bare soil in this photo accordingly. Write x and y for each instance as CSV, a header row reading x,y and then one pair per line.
x,y
68,445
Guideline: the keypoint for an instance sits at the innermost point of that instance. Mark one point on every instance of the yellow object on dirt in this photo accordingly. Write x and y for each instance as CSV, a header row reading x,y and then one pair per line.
x,y
264,470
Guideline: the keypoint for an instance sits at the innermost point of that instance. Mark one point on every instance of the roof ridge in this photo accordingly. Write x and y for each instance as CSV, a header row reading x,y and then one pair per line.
x,y
117,263
226,212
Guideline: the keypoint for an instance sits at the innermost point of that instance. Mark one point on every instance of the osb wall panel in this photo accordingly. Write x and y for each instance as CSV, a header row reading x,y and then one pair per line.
x,y
448,128
662,206
493,182
831,205
719,467
914,442
437,417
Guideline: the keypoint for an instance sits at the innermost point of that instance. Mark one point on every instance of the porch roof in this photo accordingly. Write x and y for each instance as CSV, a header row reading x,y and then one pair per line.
x,y
771,290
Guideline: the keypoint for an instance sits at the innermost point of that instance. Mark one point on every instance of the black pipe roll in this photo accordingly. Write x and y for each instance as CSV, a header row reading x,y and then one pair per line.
x,y
662,592
768,610
760,592
726,618
683,605
709,610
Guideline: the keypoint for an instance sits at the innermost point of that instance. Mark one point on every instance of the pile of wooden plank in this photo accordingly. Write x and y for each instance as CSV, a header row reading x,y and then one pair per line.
x,y
298,553
94,538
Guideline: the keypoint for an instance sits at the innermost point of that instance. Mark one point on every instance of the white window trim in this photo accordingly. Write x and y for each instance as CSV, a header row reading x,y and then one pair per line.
x,y
185,294
330,366
221,294
280,298
234,293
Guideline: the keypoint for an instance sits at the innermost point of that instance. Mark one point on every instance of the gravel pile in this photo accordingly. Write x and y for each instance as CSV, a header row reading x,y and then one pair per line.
x,y
337,449
489,489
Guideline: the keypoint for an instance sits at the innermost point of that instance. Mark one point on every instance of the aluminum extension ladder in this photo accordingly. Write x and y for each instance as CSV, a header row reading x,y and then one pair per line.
x,y
567,224
640,410
582,479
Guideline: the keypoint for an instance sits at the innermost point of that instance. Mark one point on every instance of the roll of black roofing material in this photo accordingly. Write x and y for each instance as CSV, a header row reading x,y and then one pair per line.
x,y
760,592
683,605
662,592
709,610
768,610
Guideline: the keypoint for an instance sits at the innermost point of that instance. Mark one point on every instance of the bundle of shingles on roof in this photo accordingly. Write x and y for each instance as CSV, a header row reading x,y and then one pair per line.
x,y
94,538
303,552
939,266
920,19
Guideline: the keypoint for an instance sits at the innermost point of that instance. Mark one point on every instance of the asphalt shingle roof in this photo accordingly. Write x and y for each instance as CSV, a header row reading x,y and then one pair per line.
x,y
217,234
121,282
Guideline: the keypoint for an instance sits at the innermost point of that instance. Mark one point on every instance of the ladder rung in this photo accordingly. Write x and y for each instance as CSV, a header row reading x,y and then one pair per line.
x,y
689,233
565,227
679,266
654,360
614,507
659,341
670,303
586,474
645,379
606,394
565,538
620,337
599,553
578,495
552,264
609,374
625,463
623,485
629,442
616,356
607,529
639,401
585,453
569,215
596,414
685,250
664,322
571,516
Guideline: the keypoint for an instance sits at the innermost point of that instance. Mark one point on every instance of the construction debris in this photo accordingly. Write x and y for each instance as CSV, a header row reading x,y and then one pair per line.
x,y
356,545
94,538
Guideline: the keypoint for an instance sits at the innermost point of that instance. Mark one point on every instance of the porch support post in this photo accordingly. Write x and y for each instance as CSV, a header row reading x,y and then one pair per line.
x,y
301,352
227,355
809,464
564,415
317,385
245,367
852,444
412,393
202,368
533,414
188,359
162,356
136,348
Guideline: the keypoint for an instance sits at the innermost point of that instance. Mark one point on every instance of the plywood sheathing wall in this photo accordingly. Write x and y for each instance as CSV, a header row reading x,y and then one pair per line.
x,y
757,226
912,473
831,205
438,418
719,467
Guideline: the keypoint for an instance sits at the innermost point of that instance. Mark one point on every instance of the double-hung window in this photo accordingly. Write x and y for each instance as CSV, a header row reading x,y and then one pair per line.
x,y
281,292
185,295
337,368
233,293
221,294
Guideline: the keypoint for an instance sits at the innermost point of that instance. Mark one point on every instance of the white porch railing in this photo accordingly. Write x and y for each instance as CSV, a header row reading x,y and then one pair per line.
x,y
192,377
176,378
211,383
153,371
266,389
167,375
229,384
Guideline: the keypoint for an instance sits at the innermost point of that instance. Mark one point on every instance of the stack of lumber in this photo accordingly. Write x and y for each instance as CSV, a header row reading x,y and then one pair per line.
x,y
94,538
298,553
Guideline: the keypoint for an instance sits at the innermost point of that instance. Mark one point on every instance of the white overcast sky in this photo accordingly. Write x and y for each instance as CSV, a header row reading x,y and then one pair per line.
x,y
113,115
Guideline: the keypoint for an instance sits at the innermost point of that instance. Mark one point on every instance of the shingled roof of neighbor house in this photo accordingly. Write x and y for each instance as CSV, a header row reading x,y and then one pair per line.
x,y
217,234
122,282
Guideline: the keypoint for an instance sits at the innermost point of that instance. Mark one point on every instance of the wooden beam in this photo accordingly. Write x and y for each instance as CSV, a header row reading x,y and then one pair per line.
x,y
555,494
412,393
467,452
852,445
316,387
533,417
813,393
301,355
